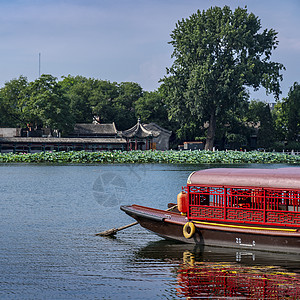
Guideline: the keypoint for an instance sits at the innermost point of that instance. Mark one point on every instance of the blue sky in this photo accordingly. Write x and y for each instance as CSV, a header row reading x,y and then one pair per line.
x,y
122,40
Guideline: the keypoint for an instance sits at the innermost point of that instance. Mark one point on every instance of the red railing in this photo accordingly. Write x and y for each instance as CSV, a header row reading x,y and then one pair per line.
x,y
244,205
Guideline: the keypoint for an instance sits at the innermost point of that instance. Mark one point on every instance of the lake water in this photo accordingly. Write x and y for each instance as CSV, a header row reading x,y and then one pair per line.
x,y
48,249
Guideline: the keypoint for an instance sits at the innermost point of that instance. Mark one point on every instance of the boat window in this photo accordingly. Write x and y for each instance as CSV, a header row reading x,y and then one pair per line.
x,y
241,198
293,201
216,197
257,198
199,195
212,196
283,200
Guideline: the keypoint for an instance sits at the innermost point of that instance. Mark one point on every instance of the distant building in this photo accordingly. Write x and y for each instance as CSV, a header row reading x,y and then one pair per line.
x,y
38,144
162,141
10,132
139,137
191,146
88,137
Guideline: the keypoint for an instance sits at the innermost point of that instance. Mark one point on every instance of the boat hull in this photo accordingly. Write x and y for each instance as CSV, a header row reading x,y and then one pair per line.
x,y
169,225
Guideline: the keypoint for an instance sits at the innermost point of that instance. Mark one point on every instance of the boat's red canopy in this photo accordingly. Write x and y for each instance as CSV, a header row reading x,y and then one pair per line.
x,y
282,178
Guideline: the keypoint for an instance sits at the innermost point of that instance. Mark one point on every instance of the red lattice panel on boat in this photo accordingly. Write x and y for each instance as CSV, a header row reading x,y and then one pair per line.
x,y
197,212
283,218
245,204
245,215
200,189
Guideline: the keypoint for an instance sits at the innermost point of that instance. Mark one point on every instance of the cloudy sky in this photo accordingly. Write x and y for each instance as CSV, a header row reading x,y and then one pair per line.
x,y
121,40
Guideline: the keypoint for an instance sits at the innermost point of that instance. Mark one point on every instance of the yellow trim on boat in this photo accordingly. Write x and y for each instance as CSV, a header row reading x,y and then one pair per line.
x,y
245,227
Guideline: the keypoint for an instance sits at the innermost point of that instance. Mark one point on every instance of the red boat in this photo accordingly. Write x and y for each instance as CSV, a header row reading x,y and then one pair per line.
x,y
242,208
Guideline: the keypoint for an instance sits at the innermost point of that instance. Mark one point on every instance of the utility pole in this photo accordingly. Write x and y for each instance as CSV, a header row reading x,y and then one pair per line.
x,y
39,65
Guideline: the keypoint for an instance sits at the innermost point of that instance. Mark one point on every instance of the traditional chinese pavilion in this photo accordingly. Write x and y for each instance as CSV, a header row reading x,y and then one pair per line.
x,y
139,137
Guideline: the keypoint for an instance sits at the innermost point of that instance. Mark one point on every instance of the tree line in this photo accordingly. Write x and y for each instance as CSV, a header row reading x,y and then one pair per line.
x,y
218,54
59,104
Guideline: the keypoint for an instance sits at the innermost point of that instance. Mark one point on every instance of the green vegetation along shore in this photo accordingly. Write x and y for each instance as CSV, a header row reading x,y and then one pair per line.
x,y
150,156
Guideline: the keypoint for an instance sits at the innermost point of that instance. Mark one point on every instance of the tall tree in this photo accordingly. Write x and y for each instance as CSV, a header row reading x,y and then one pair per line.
x,y
280,121
287,114
151,108
78,90
12,103
124,104
260,117
292,107
101,100
47,105
110,101
231,129
217,54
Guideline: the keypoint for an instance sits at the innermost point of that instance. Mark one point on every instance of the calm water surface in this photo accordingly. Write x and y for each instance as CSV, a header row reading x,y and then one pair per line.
x,y
48,250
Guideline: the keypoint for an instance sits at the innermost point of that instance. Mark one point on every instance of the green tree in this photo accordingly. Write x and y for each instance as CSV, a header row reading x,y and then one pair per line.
x,y
12,102
183,122
217,54
280,121
102,98
151,108
287,116
78,90
47,105
231,129
259,118
124,104
113,102
110,101
291,108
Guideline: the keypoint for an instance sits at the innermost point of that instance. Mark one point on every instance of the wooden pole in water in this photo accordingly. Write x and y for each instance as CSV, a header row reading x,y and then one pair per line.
x,y
113,231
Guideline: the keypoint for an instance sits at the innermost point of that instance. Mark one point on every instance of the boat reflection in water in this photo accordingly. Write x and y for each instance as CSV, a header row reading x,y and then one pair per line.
x,y
199,279
225,273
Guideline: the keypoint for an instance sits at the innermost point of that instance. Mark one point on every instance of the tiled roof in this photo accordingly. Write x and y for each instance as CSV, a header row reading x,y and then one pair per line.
x,y
155,127
54,140
94,129
139,131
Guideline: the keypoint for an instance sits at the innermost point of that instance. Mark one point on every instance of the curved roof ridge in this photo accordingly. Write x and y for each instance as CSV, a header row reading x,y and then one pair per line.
x,y
152,124
139,130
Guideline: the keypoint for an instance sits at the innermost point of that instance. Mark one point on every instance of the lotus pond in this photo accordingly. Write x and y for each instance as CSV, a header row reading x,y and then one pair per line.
x,y
150,156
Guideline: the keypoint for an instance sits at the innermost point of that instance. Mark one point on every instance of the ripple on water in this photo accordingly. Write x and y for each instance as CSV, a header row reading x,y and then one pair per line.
x,y
48,218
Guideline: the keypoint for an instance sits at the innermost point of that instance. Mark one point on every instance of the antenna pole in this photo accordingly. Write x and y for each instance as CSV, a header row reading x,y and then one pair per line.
x,y
39,64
